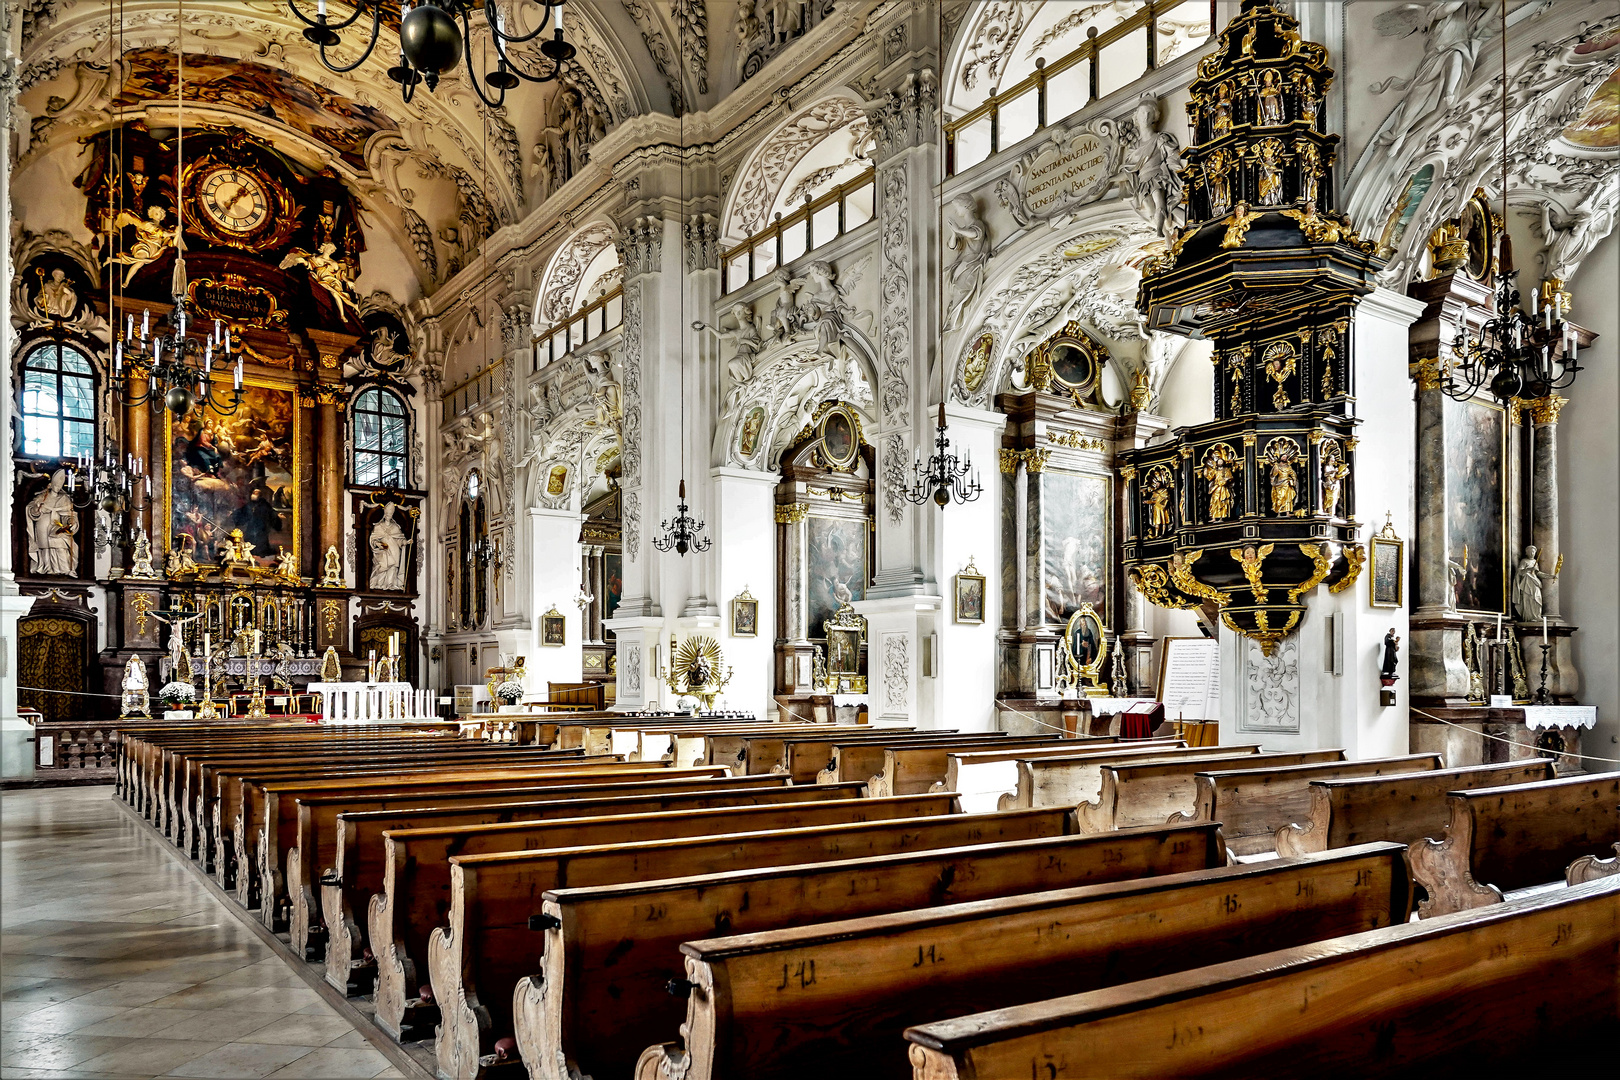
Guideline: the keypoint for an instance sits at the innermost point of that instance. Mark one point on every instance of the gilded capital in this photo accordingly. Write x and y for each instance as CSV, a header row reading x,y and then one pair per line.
x,y
1009,460
792,513
1035,460
1426,373
1544,410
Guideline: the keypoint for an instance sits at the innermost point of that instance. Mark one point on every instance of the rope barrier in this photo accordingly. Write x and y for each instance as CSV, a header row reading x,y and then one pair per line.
x,y
1511,742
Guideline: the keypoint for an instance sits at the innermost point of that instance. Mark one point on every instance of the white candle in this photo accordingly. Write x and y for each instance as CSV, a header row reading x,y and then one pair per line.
x,y
1544,629
1498,626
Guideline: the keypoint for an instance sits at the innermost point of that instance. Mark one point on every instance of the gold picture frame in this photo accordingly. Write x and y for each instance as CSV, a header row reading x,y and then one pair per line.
x,y
744,615
968,596
209,559
1086,627
1386,581
553,629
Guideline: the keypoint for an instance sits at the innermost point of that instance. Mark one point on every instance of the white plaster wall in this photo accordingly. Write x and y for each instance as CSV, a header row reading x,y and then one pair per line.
x,y
745,532
1589,456
554,583
43,196
963,685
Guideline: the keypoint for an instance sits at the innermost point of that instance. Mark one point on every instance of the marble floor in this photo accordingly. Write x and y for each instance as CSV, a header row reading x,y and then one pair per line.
x,y
115,961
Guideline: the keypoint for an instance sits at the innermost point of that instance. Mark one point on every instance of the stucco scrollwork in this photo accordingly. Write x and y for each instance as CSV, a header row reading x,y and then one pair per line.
x,y
896,672
895,343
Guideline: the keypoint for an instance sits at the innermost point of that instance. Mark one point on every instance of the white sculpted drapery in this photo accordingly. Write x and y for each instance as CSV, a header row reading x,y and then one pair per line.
x,y
53,546
388,553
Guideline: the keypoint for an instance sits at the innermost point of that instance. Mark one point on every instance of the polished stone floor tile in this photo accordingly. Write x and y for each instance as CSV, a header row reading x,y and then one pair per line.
x,y
116,962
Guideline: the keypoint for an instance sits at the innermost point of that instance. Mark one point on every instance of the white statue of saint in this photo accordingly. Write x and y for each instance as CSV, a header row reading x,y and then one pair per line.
x,y
53,526
1527,587
388,550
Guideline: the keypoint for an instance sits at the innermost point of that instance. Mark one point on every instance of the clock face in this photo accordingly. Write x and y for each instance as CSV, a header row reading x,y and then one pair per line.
x,y
234,200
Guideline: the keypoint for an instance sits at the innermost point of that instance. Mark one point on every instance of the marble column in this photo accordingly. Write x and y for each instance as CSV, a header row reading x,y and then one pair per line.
x,y
1543,414
329,472
16,752
138,441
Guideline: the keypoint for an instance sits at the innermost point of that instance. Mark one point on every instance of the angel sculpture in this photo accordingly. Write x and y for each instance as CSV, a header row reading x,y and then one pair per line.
x,y
152,239
746,336
329,273
785,318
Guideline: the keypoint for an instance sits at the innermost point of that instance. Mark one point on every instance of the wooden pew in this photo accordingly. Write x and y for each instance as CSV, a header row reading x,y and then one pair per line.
x,y
1404,809
476,961
833,998
192,786
863,760
1470,994
314,848
1066,780
1253,803
348,883
1500,839
908,770
595,736
758,754
981,777
697,745
417,879
805,757
261,884
1149,793
1592,867
600,990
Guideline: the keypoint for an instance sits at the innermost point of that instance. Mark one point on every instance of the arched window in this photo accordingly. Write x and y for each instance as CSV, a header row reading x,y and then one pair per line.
x,y
380,436
58,401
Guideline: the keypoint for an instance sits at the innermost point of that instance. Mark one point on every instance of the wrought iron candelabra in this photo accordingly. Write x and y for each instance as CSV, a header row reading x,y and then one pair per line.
x,y
1516,353
180,369
683,532
946,475
1542,697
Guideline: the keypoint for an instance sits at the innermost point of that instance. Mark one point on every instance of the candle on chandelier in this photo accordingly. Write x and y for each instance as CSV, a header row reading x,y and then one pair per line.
x,y
70,480
208,357
148,480
146,324
320,9
118,358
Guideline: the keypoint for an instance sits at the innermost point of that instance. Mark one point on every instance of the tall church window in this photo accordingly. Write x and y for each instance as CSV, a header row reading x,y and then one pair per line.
x,y
58,402
381,434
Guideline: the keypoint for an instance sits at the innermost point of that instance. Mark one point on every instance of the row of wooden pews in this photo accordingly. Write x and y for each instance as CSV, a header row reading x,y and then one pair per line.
x,y
782,900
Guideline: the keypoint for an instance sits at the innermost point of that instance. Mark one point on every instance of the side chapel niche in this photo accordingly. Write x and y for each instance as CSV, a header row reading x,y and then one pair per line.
x,y
1061,514
825,550
601,540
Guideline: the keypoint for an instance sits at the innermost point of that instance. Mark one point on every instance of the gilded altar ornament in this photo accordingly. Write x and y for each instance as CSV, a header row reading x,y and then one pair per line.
x,y
1322,560
1447,248
1153,582
1270,99
978,363
1309,161
1553,294
1181,564
1158,492
1218,182
1356,556
1305,96
1268,157
142,603
141,561
1327,341
1141,392
332,569
1280,362
331,666
1216,467
1282,460
1335,470
1236,365
135,699
1238,228
695,670
1221,119
1252,559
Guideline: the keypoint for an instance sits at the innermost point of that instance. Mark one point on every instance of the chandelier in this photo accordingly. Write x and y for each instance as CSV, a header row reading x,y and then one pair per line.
x,y
946,476
431,43
1515,353
107,484
683,532
179,368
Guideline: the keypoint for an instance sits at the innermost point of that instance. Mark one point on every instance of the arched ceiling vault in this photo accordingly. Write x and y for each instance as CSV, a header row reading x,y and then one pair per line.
x,y
443,161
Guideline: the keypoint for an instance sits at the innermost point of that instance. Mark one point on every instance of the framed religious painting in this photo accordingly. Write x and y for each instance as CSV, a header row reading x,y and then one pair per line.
x,y
1476,505
1085,644
744,615
969,595
553,628
840,434
1388,588
224,473
1076,523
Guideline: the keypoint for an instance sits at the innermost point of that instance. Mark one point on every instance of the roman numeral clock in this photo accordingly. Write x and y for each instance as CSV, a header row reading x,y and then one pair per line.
x,y
235,200
237,204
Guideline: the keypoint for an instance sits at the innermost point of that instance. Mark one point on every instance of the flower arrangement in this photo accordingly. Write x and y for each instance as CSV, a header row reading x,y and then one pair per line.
x,y
509,692
177,695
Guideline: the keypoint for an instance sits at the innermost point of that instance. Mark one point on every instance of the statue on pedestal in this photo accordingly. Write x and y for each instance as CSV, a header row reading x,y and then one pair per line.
x,y
53,527
332,571
1527,587
389,548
